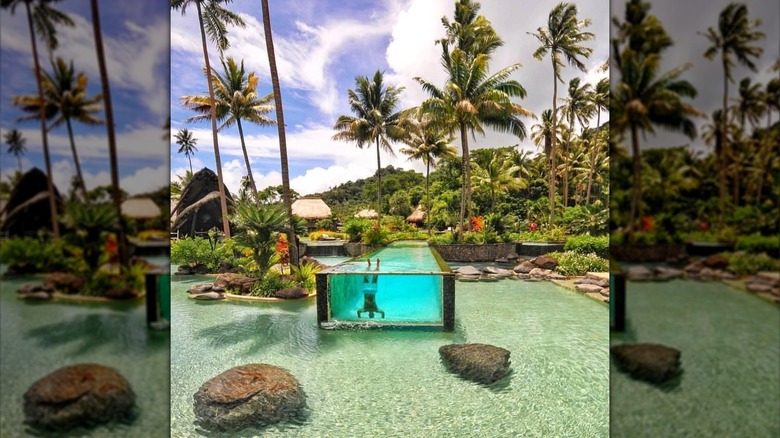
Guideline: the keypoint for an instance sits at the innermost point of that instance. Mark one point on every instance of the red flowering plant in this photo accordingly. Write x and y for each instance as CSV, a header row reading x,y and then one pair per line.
x,y
532,226
647,223
477,223
283,250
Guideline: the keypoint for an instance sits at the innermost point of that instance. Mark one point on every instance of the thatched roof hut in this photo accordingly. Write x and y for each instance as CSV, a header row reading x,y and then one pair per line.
x,y
199,209
367,214
312,208
140,208
27,209
417,216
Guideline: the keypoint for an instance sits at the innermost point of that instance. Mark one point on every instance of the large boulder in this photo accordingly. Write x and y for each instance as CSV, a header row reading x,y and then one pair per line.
x,y
235,283
291,293
545,262
200,288
649,362
248,395
716,261
78,395
478,362
65,283
524,267
499,272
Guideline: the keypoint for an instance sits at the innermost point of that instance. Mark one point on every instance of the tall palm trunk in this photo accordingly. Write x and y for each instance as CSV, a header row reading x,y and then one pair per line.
x,y
117,198
428,194
76,162
722,155
246,159
217,159
551,189
464,196
378,186
636,197
565,158
55,223
593,148
19,162
190,160
269,44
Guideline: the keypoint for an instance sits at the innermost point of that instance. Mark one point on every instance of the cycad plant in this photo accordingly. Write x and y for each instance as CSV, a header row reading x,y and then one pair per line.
x,y
259,225
91,224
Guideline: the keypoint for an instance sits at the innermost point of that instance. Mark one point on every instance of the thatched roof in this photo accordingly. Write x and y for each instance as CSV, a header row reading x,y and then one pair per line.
x,y
199,209
27,209
311,208
367,214
140,208
417,216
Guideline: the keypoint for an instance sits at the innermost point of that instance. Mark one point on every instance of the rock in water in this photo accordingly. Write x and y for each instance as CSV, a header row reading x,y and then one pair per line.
x,y
649,362
249,395
78,395
478,362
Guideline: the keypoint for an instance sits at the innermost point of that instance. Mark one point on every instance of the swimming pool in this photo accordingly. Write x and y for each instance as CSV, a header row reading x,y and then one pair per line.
x,y
391,382
730,344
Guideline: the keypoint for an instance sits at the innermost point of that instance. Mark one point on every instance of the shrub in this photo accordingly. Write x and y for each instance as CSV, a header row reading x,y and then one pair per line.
x,y
30,254
744,263
442,239
355,228
573,263
588,244
376,235
269,284
201,251
304,275
757,243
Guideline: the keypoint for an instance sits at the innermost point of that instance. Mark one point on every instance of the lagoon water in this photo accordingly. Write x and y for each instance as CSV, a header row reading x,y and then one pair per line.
x,y
391,382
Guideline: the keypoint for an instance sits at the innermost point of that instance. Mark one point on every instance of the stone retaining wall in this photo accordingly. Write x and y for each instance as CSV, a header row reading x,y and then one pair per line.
x,y
475,253
654,253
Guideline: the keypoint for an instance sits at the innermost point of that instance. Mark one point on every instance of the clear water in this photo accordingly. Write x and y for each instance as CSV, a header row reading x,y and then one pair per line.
x,y
38,338
403,298
391,383
730,344
407,257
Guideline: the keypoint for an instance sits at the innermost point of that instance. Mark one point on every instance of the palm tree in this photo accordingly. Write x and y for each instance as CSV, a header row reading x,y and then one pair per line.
x,y
213,19
750,104
643,96
280,126
562,39
772,99
15,142
41,19
578,106
186,142
427,142
734,38
260,224
373,104
65,100
236,97
495,170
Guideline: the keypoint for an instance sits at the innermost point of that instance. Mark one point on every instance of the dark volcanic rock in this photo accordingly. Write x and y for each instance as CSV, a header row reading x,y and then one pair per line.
x,y
78,395
235,283
291,293
121,293
200,288
546,262
478,362
248,395
65,283
716,261
649,362
524,267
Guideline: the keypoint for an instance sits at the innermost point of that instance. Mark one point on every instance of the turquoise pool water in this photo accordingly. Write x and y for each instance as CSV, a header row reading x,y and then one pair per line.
x,y
391,383
730,344
38,338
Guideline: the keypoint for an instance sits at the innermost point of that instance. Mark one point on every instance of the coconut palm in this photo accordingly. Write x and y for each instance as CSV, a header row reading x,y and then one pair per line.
x,y
42,19
772,99
562,39
495,170
734,37
750,104
236,96
15,142
373,104
213,19
186,142
644,97
280,126
427,142
65,101
578,106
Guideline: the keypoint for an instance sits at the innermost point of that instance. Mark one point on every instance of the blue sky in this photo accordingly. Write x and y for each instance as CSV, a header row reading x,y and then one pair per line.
x,y
136,42
321,46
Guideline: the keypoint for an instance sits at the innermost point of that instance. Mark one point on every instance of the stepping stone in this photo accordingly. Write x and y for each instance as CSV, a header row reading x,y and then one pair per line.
x,y
477,362
649,362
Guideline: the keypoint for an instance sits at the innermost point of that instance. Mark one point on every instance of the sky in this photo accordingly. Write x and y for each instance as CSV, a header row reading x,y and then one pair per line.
x,y
136,39
685,22
322,46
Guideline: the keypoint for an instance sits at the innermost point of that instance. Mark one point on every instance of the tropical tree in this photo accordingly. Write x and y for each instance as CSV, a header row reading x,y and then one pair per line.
x,y
562,39
496,172
260,224
280,126
750,104
772,99
373,104
186,142
213,19
578,106
15,142
427,142
42,19
734,37
600,99
644,97
65,101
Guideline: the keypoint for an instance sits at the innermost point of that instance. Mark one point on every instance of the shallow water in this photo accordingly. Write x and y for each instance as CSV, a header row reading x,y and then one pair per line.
x,y
391,383
730,345
39,337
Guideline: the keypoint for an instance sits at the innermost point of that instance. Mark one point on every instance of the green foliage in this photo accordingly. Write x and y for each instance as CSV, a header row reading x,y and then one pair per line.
x,y
585,220
304,275
744,263
397,224
90,224
326,224
33,254
269,284
588,244
134,276
376,235
757,243
100,282
355,227
208,252
316,235
574,263
258,225
400,203
442,239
